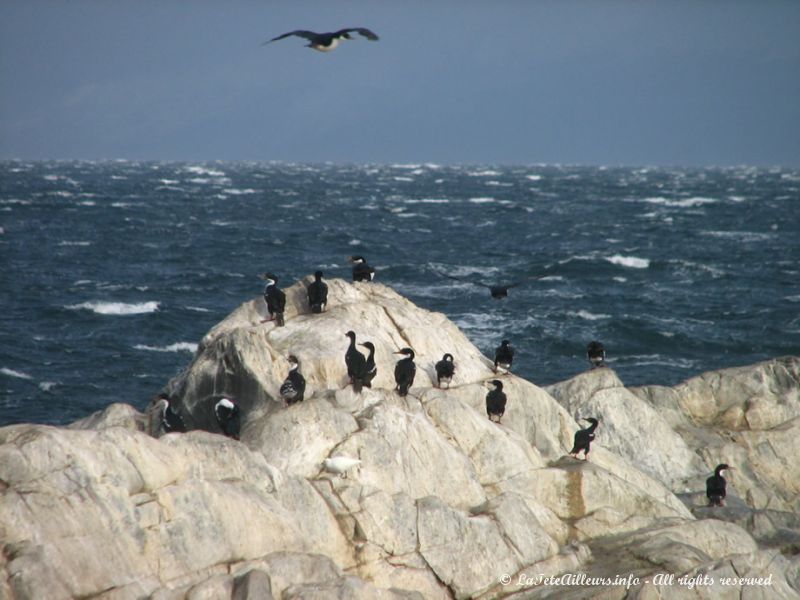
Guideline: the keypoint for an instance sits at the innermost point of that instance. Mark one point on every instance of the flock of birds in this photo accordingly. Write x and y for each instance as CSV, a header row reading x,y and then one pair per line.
x,y
362,369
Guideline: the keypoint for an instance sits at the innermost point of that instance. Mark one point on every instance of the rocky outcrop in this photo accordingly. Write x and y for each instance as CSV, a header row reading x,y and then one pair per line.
x,y
444,503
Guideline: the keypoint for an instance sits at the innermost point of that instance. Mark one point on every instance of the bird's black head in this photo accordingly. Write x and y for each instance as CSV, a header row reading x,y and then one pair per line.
x,y
318,275
505,343
269,276
591,420
448,357
720,468
356,259
407,351
368,346
293,360
351,335
498,385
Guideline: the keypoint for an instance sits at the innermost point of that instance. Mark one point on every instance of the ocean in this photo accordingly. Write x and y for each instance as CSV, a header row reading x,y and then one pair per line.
x,y
111,272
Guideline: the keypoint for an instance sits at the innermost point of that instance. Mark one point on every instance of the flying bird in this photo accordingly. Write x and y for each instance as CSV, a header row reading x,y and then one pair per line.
x,y
583,438
325,42
497,291
715,486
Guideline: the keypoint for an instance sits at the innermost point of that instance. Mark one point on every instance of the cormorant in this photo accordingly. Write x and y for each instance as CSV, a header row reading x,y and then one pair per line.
x,y
294,386
356,364
325,42
596,354
171,419
317,294
275,299
404,371
715,486
228,417
503,357
361,270
496,400
371,370
583,438
444,370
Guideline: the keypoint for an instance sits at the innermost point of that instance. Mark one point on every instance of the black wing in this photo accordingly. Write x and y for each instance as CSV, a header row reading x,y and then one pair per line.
x,y
370,35
309,35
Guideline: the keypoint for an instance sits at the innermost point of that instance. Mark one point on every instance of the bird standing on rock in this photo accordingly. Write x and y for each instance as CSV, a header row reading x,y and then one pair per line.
x,y
445,369
404,371
361,270
495,400
716,486
583,438
596,354
503,357
275,299
356,364
325,42
171,419
294,386
317,294
228,417
371,369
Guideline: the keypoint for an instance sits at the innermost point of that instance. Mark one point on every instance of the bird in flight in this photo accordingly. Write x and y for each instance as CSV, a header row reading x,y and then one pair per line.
x,y
325,42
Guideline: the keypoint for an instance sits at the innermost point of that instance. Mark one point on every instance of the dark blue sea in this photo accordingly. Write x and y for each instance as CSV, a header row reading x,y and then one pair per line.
x,y
113,271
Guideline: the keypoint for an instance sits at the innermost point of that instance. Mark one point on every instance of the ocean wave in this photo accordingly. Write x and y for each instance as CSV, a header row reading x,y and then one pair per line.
x,y
683,203
486,200
533,177
428,201
633,262
69,243
238,192
15,374
585,314
198,170
46,386
116,308
487,173
741,236
176,347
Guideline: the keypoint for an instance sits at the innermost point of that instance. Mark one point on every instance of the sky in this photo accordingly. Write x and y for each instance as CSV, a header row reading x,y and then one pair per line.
x,y
592,82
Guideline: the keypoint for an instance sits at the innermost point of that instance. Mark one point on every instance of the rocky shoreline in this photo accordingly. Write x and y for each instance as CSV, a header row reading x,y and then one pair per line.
x,y
444,503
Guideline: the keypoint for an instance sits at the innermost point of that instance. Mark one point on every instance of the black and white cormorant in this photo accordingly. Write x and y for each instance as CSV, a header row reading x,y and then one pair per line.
x,y
275,299
294,386
495,400
228,417
444,370
325,42
371,369
715,486
361,270
503,357
317,294
404,371
171,419
596,354
583,438
356,363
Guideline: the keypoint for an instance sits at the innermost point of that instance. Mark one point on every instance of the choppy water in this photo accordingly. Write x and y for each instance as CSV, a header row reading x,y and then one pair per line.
x,y
111,272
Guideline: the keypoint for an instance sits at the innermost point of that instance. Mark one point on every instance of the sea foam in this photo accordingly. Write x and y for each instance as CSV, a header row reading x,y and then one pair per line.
x,y
116,308
633,262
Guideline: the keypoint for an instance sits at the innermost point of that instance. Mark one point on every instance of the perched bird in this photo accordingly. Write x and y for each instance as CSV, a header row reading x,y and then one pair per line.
x,y
294,386
228,417
275,299
171,419
404,371
317,294
596,354
356,364
371,370
583,438
325,42
715,486
503,357
495,400
340,465
444,370
361,270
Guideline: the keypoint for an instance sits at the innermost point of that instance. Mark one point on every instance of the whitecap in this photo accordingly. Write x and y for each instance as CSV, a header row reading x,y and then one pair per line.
x,y
487,173
534,177
88,203
198,309
116,308
403,178
238,192
428,201
742,236
682,203
176,347
198,170
552,278
585,314
482,200
68,243
46,386
354,242
16,374
633,262
168,181
620,279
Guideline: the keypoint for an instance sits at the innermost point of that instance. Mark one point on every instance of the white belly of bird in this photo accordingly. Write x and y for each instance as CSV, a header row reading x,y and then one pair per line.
x,y
321,48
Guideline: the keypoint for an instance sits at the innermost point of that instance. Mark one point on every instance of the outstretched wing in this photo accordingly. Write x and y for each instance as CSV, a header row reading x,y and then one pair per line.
x,y
370,35
309,35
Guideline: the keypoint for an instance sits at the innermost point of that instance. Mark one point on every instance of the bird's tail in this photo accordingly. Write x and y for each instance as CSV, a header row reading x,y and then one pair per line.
x,y
403,390
279,319
357,385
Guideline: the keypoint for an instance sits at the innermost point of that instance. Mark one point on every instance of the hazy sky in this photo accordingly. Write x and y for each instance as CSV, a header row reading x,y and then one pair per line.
x,y
593,82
